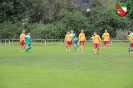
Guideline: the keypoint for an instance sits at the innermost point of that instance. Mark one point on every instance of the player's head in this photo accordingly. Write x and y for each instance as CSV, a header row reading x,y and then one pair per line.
x,y
82,31
95,33
29,33
72,31
68,32
23,31
130,31
106,31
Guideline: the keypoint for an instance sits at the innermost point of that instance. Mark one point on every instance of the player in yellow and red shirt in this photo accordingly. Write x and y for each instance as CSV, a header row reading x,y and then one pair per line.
x,y
96,40
22,41
130,38
82,39
68,40
106,38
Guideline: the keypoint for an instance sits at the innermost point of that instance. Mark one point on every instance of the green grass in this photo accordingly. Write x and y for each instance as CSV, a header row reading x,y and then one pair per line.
x,y
52,67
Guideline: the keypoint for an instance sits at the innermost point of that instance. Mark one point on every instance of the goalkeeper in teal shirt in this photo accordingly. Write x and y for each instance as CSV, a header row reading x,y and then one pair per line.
x,y
28,42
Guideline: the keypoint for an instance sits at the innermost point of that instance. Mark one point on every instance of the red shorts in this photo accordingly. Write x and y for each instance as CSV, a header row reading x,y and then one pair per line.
x,y
71,42
22,43
106,42
82,42
131,45
96,45
68,43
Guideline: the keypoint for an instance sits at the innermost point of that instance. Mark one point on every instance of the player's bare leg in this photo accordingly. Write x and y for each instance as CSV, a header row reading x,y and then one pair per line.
x,y
79,48
20,49
66,48
23,48
106,47
94,50
69,48
97,50
82,48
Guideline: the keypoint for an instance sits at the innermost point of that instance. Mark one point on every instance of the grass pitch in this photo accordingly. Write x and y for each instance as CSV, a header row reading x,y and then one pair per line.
x,y
53,67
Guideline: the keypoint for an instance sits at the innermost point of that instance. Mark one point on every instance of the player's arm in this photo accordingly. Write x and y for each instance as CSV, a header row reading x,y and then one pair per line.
x,y
109,37
79,37
128,37
85,38
93,39
131,38
71,38
65,39
99,39
103,36
25,38
21,37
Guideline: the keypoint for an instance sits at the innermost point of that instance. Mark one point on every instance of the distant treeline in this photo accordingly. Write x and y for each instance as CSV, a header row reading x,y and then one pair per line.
x,y
52,18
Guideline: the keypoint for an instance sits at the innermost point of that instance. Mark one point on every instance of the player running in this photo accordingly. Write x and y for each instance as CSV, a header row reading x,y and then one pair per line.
x,y
22,41
28,42
68,40
82,39
106,38
96,40
130,38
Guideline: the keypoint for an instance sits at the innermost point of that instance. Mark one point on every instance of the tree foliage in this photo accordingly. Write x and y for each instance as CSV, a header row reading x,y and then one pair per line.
x,y
53,18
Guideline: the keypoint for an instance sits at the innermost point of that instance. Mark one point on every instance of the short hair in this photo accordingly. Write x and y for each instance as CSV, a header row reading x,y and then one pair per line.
x,y
95,32
28,31
130,30
23,30
68,31
72,30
